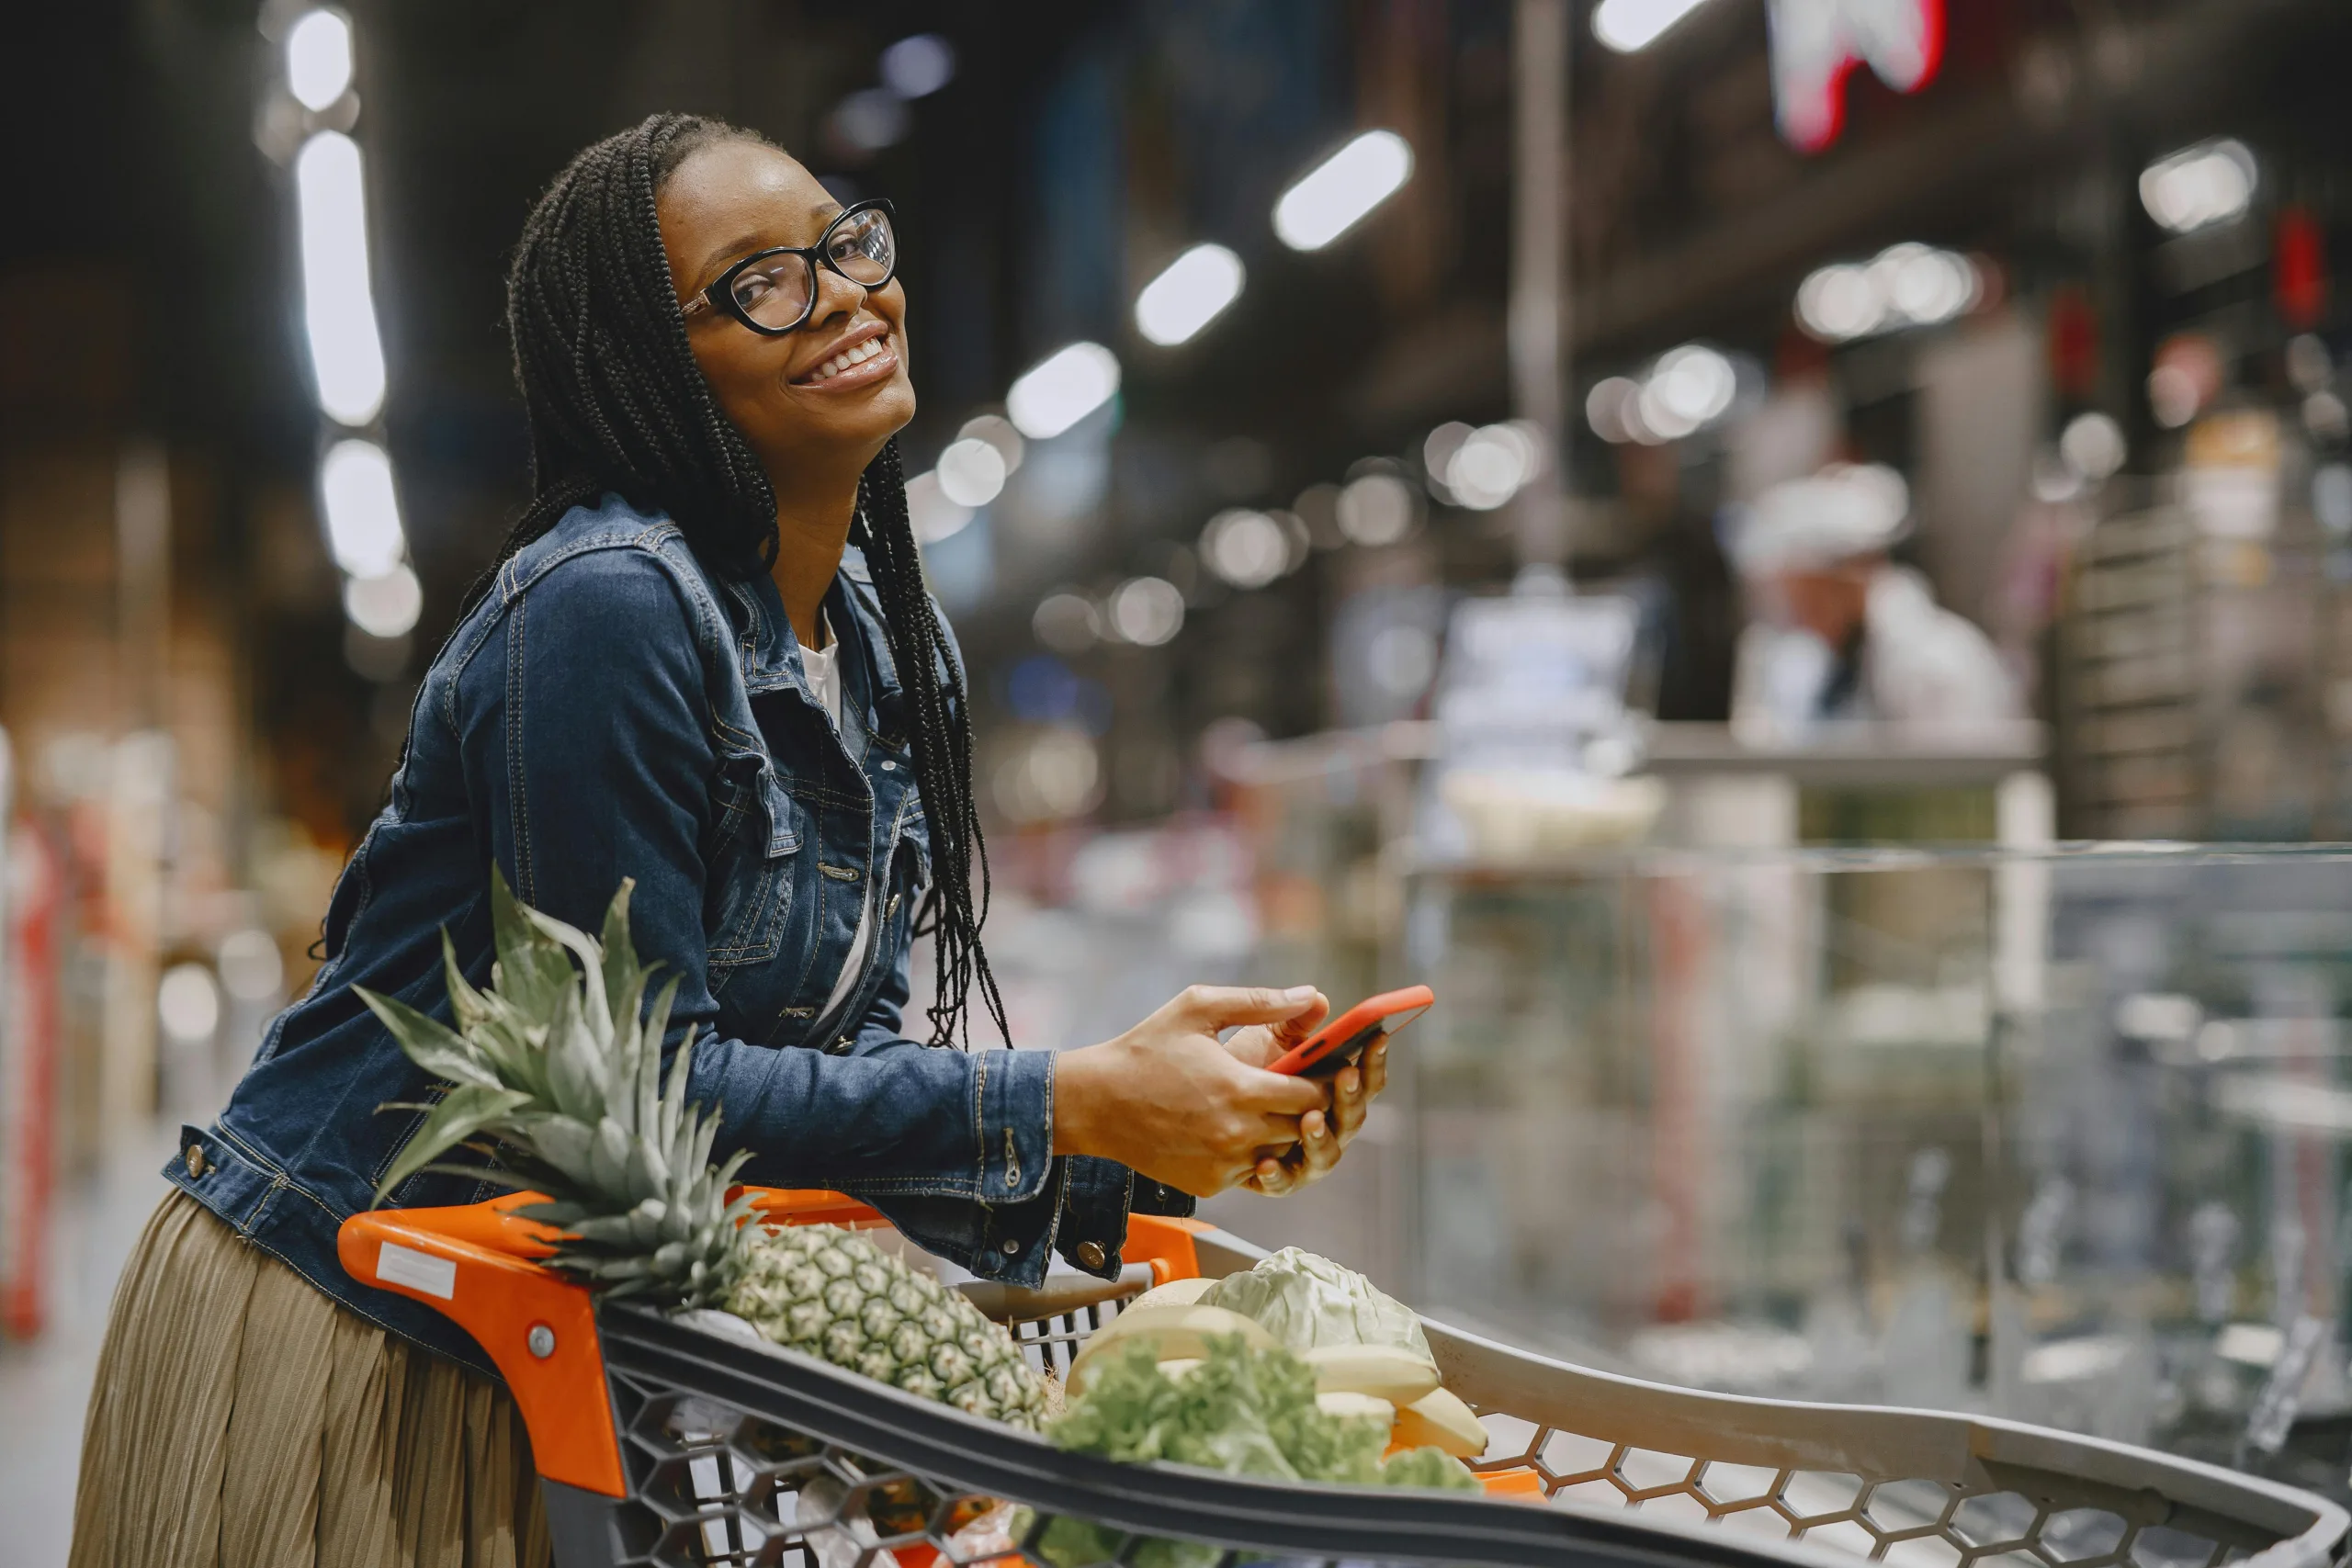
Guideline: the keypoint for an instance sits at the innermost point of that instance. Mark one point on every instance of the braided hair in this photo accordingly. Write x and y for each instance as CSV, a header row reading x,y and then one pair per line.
x,y
614,401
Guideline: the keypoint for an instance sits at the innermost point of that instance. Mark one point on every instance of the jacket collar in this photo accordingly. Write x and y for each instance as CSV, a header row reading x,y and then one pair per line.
x,y
771,653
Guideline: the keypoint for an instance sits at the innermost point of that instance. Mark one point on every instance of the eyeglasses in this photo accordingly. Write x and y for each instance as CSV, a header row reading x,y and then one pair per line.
x,y
774,292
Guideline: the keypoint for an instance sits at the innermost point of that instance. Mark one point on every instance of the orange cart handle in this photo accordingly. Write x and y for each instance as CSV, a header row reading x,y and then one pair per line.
x,y
478,1265
473,1265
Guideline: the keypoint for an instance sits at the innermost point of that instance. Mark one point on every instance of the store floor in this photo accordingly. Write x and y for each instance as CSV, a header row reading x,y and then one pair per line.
x,y
44,1384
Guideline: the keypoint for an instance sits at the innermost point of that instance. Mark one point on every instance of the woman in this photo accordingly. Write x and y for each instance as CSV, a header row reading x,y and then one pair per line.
x,y
704,660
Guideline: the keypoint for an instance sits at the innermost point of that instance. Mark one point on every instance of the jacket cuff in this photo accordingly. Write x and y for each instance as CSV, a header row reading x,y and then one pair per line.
x,y
1013,1116
1162,1201
1095,1214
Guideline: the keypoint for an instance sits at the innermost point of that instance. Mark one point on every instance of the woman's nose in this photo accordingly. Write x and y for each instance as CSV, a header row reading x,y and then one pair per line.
x,y
836,296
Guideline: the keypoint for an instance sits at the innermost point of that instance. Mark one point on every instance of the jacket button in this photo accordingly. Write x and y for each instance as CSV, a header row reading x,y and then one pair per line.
x,y
1090,1255
195,1160
1013,1249
888,766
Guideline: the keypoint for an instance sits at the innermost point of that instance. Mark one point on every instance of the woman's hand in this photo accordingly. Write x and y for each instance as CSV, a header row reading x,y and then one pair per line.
x,y
1324,1134
1169,1100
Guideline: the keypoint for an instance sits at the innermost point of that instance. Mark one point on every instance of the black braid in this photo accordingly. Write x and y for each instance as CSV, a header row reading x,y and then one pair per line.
x,y
933,683
610,390
614,401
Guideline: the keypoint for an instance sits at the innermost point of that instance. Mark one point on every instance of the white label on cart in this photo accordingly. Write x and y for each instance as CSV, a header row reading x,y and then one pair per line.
x,y
398,1265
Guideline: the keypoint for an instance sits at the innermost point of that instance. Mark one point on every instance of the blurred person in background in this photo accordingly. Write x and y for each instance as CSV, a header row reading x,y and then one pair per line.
x,y
1843,634
1679,575
705,659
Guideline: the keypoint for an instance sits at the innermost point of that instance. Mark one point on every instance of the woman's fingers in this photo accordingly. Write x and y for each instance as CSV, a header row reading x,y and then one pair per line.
x,y
1313,1158
1288,1033
1320,1145
1213,1008
1271,1180
1278,1094
1348,1101
1376,1069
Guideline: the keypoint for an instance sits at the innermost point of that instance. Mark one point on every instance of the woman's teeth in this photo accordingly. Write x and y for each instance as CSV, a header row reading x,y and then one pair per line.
x,y
839,362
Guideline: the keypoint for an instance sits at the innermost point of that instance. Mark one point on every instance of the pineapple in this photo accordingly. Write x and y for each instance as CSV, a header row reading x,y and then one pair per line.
x,y
831,1293
557,1069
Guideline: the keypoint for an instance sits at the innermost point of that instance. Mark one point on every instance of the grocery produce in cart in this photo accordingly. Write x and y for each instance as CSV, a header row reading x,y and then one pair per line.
x,y
1364,1349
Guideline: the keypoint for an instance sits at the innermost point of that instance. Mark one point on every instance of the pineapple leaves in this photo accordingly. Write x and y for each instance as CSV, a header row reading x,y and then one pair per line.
x,y
466,1004
531,970
429,1044
464,1111
576,1070
624,977
559,1079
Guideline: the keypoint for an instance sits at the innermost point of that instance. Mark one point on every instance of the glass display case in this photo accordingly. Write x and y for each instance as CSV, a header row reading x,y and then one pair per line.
x,y
2050,1135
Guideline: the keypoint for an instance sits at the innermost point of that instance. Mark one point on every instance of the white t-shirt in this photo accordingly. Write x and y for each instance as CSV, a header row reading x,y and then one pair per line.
x,y
822,667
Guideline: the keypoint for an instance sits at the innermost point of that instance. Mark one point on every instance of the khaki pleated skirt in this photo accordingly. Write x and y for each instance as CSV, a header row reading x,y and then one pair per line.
x,y
242,1419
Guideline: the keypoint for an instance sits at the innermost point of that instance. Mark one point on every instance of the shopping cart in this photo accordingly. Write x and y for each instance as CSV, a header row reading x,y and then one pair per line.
x,y
662,1439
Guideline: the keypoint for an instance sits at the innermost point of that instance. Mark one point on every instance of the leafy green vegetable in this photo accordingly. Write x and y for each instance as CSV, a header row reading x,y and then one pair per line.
x,y
1243,1412
1433,1468
1306,1301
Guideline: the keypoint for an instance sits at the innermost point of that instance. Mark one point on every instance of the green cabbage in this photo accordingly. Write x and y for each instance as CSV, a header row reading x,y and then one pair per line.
x,y
1243,1412
1305,1301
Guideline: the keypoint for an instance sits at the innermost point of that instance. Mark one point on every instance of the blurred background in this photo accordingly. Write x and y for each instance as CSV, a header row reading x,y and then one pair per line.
x,y
1792,558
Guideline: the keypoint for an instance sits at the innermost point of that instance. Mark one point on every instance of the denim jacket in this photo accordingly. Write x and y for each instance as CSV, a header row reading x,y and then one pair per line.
x,y
611,710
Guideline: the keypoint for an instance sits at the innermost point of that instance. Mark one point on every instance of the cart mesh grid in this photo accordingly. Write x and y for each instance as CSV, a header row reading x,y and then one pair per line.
x,y
1909,1521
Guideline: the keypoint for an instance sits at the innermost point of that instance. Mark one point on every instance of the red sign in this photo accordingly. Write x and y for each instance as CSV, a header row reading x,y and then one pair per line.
x,y
2300,269
30,877
1815,44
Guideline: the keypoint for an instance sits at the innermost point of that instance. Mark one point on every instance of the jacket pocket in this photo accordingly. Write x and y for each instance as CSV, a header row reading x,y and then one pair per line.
x,y
753,865
914,850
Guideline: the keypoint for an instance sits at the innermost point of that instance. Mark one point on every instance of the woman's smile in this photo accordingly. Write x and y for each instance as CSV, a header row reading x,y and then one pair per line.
x,y
859,358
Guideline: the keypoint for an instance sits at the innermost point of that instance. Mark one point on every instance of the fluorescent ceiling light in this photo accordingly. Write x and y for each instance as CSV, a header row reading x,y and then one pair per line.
x,y
384,606
338,311
318,59
1628,25
2199,186
363,514
1904,286
1689,386
932,513
998,432
1247,548
1196,286
971,472
1337,193
1491,465
1147,611
1376,509
1063,389
918,66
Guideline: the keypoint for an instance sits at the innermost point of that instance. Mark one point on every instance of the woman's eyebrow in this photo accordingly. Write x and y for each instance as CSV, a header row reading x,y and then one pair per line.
x,y
718,257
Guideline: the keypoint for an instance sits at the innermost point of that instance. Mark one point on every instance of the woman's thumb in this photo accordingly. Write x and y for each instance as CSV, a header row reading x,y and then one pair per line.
x,y
1212,1008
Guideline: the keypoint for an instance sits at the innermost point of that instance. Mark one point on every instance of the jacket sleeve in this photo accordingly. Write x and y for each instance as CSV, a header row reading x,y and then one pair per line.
x,y
587,733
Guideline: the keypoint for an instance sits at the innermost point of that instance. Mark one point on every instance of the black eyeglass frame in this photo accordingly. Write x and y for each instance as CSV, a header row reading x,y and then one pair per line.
x,y
721,295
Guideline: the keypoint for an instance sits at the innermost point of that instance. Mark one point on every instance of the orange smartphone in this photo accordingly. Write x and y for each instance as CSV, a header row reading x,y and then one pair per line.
x,y
1345,1038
